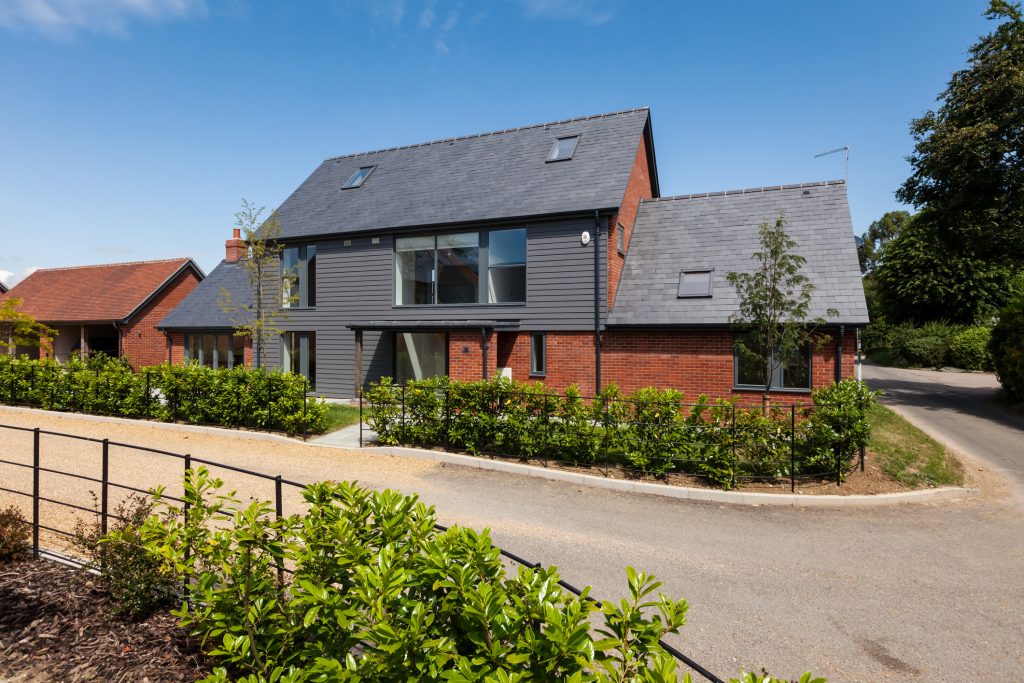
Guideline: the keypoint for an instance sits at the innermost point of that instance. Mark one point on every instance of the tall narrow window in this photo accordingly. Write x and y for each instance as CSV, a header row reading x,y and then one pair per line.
x,y
298,276
620,238
458,268
414,270
299,355
506,266
538,354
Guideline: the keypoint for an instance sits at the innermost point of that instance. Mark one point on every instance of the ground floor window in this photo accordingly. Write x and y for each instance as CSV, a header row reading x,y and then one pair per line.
x,y
218,350
299,355
538,354
793,373
419,355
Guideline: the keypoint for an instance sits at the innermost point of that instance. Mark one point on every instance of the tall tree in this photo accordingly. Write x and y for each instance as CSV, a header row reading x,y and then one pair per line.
x,y
968,160
775,300
879,234
21,329
258,319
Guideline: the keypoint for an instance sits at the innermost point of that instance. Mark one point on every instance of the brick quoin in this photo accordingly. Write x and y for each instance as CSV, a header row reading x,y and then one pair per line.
x,y
141,343
637,189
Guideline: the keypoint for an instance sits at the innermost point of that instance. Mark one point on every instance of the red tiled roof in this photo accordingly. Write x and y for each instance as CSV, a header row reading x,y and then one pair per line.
x,y
92,293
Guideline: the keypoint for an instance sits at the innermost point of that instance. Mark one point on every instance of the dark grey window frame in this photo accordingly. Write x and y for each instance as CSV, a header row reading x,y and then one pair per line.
x,y
707,294
304,337
307,284
543,339
620,238
189,352
776,377
484,265
350,184
554,148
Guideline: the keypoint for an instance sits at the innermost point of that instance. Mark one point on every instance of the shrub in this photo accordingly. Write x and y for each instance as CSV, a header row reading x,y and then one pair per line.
x,y
969,349
14,535
1007,348
130,573
836,428
907,344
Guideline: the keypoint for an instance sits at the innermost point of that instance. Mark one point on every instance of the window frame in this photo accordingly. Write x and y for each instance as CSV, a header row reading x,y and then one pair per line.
x,y
194,355
554,148
351,183
707,294
620,239
483,269
777,374
306,284
304,355
394,349
542,338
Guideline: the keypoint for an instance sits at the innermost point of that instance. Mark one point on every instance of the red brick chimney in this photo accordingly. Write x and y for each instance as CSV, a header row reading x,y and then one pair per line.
x,y
234,247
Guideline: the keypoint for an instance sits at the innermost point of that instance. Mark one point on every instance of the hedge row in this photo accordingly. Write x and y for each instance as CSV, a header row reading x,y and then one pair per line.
x,y
239,397
652,430
932,345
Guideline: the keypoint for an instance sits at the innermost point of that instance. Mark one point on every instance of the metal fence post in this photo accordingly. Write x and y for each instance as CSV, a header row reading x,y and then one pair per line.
x,y
32,388
792,448
35,493
279,510
185,507
104,488
860,416
147,394
360,419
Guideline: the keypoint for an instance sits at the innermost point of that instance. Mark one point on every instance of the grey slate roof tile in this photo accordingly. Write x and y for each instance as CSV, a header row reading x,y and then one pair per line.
x,y
491,176
201,310
720,231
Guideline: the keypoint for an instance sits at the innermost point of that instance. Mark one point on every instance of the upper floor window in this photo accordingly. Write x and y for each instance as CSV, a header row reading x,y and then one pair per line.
x,y
358,178
564,148
298,276
461,268
694,284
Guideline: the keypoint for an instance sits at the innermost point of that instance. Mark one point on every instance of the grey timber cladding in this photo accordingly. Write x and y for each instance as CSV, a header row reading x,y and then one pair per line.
x,y
355,284
720,231
491,176
201,308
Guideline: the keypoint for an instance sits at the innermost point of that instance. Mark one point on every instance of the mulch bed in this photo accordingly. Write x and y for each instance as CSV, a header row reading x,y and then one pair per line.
x,y
56,625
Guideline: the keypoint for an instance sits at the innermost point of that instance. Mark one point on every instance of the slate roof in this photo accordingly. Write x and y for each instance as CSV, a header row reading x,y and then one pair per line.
x,y
201,310
502,174
108,292
3,288
720,231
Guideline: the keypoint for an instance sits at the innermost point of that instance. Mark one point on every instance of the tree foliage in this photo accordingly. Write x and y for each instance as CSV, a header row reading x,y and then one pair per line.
x,y
21,329
775,301
880,233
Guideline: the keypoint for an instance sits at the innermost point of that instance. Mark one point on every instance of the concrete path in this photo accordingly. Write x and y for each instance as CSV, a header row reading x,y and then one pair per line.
x,y
927,592
957,408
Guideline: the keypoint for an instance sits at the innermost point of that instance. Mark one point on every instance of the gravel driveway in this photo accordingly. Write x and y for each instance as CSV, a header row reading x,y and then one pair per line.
x,y
911,593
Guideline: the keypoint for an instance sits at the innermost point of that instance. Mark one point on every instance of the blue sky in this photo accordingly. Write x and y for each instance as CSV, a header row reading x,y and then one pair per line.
x,y
132,129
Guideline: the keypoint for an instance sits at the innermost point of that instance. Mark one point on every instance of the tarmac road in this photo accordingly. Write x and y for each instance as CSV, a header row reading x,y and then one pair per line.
x,y
929,592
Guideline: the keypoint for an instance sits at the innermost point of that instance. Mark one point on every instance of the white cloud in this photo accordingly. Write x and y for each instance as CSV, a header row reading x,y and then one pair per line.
x,y
10,278
427,16
62,19
589,12
389,10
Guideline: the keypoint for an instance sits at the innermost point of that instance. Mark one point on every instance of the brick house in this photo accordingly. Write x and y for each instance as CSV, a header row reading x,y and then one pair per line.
x,y
199,330
542,253
113,308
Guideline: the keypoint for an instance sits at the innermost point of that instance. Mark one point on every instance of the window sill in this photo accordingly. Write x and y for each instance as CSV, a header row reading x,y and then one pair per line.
x,y
538,375
775,390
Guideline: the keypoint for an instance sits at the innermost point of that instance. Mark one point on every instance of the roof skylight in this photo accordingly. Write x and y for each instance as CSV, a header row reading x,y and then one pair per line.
x,y
358,178
694,284
564,148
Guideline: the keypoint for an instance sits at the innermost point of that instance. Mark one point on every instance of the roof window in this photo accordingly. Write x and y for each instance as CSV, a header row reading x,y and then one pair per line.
x,y
694,284
358,178
564,148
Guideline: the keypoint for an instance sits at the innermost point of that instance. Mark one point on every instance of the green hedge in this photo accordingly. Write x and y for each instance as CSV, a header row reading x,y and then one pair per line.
x,y
969,349
652,430
239,397
1007,349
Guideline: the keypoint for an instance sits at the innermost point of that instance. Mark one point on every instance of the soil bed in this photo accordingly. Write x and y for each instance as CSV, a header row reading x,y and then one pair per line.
x,y
55,625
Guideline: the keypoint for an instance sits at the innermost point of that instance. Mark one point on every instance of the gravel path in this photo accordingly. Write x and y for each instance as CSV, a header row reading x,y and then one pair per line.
x,y
911,593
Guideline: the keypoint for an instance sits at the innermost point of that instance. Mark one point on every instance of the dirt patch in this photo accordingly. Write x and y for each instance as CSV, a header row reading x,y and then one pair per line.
x,y
55,625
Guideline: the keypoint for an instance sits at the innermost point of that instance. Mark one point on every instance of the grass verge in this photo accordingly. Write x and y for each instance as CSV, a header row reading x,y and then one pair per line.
x,y
340,416
908,455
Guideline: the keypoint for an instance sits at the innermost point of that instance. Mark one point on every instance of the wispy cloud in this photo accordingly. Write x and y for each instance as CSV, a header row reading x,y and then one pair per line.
x,y
63,19
589,12
11,278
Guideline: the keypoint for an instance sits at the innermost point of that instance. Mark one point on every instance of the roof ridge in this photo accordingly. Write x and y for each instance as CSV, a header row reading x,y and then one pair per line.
x,y
488,133
749,190
107,265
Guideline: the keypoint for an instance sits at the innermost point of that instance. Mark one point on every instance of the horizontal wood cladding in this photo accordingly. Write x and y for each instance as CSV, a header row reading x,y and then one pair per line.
x,y
355,284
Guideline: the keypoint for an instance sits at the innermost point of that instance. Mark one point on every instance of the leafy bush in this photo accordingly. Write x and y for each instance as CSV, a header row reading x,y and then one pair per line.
x,y
129,572
969,349
838,426
909,345
14,535
1007,349
238,397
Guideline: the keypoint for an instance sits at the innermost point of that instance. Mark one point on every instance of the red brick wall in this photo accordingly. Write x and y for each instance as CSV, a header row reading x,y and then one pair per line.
x,y
465,355
570,359
638,188
141,343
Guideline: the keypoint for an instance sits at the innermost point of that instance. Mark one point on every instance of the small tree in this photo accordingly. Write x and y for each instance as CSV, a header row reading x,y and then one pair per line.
x,y
21,329
258,319
774,303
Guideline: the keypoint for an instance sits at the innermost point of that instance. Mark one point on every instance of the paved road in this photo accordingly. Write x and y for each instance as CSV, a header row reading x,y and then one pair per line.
x,y
913,593
958,408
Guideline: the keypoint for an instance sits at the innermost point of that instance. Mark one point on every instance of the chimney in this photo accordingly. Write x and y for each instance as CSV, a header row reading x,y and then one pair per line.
x,y
234,248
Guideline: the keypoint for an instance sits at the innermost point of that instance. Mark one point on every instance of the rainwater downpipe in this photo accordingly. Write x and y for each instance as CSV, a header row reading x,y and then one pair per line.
x,y
597,302
839,353
483,339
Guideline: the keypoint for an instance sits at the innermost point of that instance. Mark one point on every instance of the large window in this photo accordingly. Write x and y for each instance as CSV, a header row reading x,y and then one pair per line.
x,y
298,276
447,269
222,350
299,355
419,355
792,374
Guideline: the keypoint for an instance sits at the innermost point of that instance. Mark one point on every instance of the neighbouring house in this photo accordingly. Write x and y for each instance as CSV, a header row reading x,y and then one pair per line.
x,y
543,253
113,308
3,288
199,330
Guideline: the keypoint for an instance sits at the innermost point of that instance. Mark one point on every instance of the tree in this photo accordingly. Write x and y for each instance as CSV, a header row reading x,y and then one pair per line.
x,y
21,329
968,160
258,320
872,247
775,300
